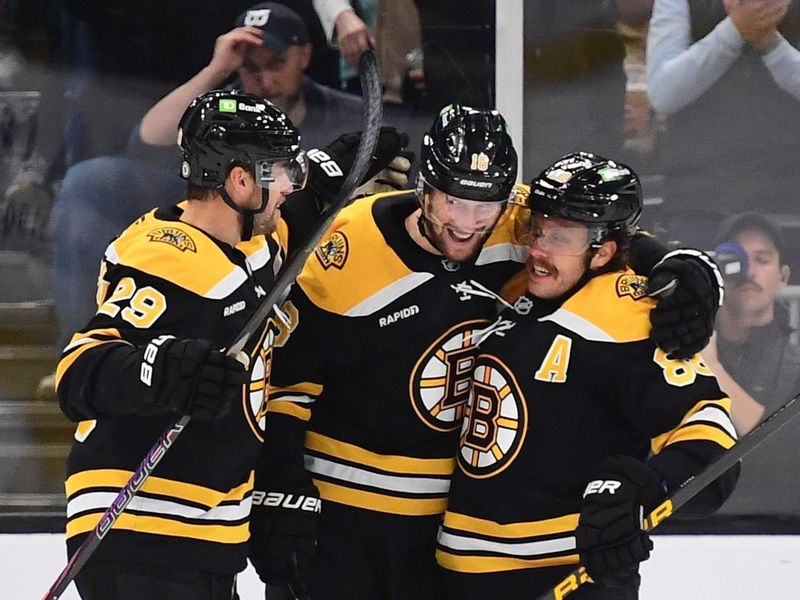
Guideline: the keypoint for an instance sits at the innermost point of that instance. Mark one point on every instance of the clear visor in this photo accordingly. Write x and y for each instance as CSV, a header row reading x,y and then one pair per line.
x,y
558,236
286,173
467,216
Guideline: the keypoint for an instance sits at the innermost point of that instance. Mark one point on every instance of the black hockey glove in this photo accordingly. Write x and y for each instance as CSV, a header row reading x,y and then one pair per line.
x,y
688,287
609,536
328,167
188,377
283,527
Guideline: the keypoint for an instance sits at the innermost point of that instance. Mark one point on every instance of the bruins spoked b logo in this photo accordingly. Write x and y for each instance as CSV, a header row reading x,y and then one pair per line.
x,y
495,421
439,384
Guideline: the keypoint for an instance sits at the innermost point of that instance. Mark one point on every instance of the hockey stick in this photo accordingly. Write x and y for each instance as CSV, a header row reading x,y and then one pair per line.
x,y
692,486
372,116
371,119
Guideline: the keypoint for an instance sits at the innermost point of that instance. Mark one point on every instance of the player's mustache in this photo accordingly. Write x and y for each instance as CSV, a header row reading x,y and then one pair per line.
x,y
542,264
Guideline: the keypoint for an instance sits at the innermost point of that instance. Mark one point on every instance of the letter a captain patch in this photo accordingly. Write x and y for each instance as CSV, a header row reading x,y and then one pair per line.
x,y
555,364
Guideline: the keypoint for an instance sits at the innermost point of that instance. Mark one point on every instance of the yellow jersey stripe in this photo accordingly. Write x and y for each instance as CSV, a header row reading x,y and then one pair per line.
x,y
155,485
700,432
385,462
289,408
566,523
306,387
66,362
490,564
378,502
224,534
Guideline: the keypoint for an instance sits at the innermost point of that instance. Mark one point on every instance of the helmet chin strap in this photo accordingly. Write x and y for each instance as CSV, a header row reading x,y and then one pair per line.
x,y
247,215
423,223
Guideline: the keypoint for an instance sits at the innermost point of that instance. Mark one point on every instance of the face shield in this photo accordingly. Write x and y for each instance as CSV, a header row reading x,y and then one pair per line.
x,y
558,236
467,216
292,171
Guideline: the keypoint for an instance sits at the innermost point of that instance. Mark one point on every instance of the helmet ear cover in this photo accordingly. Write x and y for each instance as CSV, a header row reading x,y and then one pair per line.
x,y
586,188
467,153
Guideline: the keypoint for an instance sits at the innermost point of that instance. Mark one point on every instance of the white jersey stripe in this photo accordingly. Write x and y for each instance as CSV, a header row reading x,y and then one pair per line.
x,y
524,549
353,475
389,294
94,501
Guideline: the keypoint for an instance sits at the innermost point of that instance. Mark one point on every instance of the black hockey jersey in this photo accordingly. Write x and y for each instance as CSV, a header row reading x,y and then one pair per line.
x,y
380,359
163,276
558,391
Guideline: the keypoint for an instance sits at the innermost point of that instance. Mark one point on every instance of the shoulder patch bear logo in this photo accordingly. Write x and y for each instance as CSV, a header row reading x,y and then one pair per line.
x,y
631,285
174,237
332,252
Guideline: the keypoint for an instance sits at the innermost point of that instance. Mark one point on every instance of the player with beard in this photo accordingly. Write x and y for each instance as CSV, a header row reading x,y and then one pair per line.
x,y
175,288
577,424
371,373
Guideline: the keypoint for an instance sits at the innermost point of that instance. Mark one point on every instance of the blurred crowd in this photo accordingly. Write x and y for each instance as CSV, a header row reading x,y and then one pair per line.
x,y
699,96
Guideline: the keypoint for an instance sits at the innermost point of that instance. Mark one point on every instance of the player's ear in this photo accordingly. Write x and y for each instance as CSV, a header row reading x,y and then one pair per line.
x,y
603,255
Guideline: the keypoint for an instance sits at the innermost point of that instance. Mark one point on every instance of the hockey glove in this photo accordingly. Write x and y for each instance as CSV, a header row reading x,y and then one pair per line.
x,y
688,287
188,377
609,536
328,167
394,177
283,527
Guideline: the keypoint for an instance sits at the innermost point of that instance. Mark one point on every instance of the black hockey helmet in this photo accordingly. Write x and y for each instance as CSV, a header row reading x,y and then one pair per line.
x,y
604,194
467,153
222,129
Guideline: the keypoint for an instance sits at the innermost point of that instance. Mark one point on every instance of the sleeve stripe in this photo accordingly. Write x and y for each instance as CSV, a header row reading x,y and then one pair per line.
x,y
305,387
707,415
286,407
557,525
66,362
701,432
95,334
715,414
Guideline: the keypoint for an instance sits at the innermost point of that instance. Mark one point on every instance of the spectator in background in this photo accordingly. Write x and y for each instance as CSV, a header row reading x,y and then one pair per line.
x,y
268,50
758,366
752,352
397,40
574,81
727,77
99,65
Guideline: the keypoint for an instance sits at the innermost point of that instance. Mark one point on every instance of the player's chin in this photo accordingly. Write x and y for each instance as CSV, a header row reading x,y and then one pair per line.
x,y
267,226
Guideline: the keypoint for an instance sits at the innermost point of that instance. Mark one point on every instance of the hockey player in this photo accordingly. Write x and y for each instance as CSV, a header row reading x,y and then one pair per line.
x,y
175,288
369,389
576,422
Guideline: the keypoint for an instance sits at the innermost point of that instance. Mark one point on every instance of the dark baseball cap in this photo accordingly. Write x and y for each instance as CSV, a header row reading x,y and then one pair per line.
x,y
735,224
280,26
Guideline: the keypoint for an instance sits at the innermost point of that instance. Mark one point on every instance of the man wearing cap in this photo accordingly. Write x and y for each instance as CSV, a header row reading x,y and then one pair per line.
x,y
268,49
757,364
751,352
